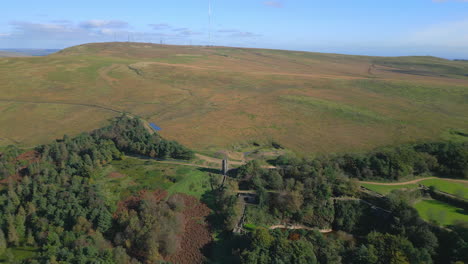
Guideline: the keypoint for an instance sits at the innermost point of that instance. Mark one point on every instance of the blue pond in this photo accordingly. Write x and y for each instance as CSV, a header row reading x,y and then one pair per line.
x,y
155,127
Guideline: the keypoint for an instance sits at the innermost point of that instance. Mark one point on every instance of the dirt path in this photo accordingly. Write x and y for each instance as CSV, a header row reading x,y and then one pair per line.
x,y
62,103
219,161
104,74
145,123
186,164
397,183
216,160
456,180
412,182
295,227
143,64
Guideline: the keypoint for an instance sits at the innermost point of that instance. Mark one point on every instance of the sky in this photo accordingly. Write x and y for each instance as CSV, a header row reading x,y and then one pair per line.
x,y
365,27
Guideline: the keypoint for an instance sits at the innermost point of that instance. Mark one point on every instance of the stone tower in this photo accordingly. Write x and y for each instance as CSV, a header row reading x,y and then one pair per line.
x,y
225,167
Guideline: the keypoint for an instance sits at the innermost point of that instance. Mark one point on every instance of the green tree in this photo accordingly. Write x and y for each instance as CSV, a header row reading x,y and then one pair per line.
x,y
262,238
275,180
3,242
365,255
20,220
13,238
30,241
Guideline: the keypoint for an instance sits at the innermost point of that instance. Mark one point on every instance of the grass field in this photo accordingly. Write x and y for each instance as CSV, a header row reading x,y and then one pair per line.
x,y
386,189
126,177
218,98
19,253
456,188
439,212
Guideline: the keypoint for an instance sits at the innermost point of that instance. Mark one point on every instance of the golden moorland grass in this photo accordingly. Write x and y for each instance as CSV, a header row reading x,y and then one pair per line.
x,y
213,98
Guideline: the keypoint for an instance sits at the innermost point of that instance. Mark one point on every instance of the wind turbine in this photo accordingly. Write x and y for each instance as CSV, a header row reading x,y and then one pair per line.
x,y
209,22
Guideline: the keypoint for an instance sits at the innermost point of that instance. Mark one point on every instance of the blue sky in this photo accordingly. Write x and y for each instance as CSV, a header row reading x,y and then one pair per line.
x,y
385,27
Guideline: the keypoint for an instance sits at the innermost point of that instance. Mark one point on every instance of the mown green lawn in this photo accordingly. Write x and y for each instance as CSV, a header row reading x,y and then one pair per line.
x,y
456,188
440,213
386,189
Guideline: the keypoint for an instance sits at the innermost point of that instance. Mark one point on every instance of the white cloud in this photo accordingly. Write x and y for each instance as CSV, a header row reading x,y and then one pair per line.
x,y
159,26
104,24
63,33
238,33
450,34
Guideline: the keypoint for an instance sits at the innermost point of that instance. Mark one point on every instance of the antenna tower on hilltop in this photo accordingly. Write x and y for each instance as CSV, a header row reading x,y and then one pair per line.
x,y
209,22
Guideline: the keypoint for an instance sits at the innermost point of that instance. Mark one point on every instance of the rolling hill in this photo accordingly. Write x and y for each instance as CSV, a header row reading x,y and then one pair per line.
x,y
213,98
4,53
26,52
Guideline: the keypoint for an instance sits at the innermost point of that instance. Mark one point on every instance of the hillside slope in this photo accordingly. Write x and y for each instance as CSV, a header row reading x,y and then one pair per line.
x,y
213,98
11,54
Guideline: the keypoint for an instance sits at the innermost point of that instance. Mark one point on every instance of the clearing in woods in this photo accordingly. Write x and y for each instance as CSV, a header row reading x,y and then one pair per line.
x,y
431,210
440,213
452,186
218,98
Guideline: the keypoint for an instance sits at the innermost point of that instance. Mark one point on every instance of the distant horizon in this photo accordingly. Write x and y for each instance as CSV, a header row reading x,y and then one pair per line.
x,y
242,47
436,28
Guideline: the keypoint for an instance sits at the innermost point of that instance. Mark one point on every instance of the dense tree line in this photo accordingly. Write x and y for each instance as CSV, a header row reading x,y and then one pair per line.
x,y
370,237
52,204
445,159
65,216
9,165
131,136
149,228
298,191
402,234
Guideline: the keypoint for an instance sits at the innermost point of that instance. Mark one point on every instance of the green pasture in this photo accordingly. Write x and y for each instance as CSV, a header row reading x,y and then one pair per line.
x,y
386,189
459,189
127,177
440,213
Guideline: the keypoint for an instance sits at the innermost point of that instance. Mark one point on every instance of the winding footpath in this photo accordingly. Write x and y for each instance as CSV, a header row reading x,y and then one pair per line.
x,y
296,227
411,182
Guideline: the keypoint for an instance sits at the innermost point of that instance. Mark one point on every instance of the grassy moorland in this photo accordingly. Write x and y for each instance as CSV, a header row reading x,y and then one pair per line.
x,y
11,54
213,98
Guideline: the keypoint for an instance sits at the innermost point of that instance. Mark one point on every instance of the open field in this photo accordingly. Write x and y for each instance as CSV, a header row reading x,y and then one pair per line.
x,y
217,98
452,186
386,189
126,177
456,188
442,213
